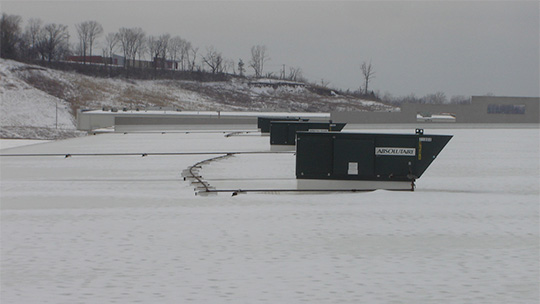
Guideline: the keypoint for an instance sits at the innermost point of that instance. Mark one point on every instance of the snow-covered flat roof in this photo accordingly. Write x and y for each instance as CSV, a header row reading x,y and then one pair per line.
x,y
128,228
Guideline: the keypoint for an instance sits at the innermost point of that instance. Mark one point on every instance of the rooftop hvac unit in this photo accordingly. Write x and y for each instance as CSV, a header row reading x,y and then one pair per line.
x,y
283,133
364,161
263,123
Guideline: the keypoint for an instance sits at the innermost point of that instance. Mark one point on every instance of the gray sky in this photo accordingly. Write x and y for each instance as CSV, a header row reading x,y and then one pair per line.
x,y
421,47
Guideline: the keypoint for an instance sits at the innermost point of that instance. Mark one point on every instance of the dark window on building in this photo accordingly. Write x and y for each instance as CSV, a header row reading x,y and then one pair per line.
x,y
505,109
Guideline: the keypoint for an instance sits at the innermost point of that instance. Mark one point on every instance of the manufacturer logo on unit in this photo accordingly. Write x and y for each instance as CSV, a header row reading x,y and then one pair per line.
x,y
392,151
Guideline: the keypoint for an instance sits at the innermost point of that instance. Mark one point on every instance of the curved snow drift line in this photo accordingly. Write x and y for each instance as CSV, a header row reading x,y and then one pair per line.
x,y
192,174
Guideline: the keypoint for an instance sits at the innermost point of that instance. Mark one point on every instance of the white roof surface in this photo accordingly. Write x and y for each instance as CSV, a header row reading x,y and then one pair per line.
x,y
127,229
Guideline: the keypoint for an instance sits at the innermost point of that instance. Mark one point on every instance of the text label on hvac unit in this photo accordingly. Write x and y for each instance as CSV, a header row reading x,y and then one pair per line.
x,y
395,151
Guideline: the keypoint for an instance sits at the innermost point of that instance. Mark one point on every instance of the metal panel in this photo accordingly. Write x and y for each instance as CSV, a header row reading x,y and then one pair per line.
x,y
429,147
316,157
279,134
353,157
398,162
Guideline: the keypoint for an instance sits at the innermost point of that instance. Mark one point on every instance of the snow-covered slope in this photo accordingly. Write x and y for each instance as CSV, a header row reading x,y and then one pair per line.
x,y
27,111
36,101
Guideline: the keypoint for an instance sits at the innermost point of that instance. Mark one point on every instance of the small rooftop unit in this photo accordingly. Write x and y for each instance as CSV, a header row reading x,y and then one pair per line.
x,y
364,161
263,123
283,133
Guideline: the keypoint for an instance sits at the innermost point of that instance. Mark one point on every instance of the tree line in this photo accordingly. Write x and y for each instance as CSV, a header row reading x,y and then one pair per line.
x,y
46,42
433,98
51,42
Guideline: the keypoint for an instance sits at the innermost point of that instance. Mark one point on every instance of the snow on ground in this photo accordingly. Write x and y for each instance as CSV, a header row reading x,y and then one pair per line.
x,y
24,105
126,229
13,143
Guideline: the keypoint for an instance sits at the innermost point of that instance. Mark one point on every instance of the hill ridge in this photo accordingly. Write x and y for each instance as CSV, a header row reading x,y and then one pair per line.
x,y
37,97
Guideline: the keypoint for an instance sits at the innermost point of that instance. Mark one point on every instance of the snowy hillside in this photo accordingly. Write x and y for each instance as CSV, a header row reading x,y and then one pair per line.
x,y
36,102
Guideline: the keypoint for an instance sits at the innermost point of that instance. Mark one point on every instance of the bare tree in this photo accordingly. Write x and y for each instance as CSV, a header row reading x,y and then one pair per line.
x,y
126,40
258,58
10,35
76,50
82,33
158,47
436,98
460,99
164,43
411,98
140,50
213,59
88,32
111,41
324,83
269,75
294,73
130,40
228,64
53,41
185,51
192,57
154,49
31,37
176,50
368,73
94,32
241,69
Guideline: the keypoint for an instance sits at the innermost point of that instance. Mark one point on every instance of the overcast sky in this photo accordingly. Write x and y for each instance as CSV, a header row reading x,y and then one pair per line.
x,y
420,47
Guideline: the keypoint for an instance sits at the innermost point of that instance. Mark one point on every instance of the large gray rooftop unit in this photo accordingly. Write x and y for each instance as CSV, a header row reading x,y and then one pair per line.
x,y
364,161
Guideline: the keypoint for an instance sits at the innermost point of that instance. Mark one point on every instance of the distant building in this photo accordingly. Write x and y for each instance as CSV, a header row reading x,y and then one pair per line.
x,y
168,64
482,109
118,60
89,59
